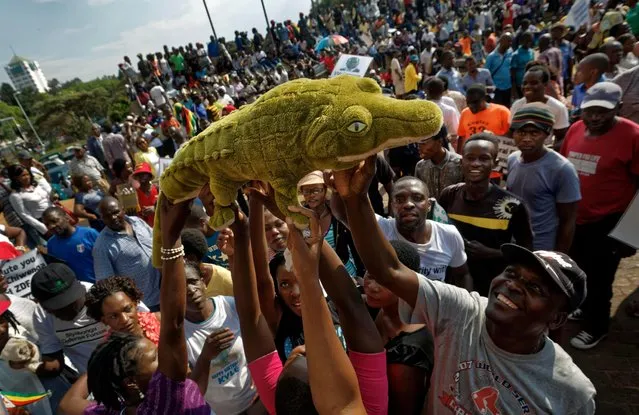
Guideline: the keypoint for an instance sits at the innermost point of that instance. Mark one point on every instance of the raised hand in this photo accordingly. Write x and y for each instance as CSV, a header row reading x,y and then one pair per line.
x,y
305,252
173,216
263,192
355,182
226,242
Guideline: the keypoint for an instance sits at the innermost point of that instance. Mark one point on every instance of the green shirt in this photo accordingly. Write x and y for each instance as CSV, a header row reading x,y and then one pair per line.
x,y
177,61
632,17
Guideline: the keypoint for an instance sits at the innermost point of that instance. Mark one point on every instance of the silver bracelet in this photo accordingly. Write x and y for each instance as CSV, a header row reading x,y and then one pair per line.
x,y
170,251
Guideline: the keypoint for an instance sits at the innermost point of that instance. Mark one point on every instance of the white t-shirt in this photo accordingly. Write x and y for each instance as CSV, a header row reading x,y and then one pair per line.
x,y
451,116
473,375
77,338
445,248
230,390
553,105
157,95
24,309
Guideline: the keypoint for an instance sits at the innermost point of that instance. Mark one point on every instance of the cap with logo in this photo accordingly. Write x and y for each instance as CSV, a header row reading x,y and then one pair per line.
x,y
558,266
602,94
56,287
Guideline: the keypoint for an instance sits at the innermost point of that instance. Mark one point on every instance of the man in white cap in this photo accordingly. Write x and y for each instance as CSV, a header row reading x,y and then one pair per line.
x,y
604,148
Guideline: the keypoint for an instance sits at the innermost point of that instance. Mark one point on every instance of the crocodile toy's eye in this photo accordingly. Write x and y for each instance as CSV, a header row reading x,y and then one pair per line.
x,y
356,127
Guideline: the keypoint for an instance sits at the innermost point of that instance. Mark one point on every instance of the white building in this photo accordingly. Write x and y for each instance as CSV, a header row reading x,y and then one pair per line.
x,y
26,74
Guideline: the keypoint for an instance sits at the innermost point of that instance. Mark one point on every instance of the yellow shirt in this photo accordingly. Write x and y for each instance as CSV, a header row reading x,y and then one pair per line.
x,y
221,282
411,78
151,157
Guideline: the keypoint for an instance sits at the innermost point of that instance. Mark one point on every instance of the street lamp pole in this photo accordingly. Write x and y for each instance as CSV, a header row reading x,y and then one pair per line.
x,y
268,27
210,20
15,96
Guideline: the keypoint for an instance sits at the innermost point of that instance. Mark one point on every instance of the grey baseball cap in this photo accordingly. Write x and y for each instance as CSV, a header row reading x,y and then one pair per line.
x,y
602,94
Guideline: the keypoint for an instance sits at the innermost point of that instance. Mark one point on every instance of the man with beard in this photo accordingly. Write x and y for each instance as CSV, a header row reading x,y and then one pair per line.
x,y
485,215
492,354
440,246
535,81
71,244
604,148
124,248
544,179
61,321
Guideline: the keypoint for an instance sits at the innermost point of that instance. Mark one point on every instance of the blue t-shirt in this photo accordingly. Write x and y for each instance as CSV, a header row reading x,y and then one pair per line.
x,y
520,58
91,200
499,67
76,251
542,184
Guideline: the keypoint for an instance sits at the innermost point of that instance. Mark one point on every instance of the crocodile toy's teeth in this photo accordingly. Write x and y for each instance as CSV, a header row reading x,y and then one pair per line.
x,y
395,142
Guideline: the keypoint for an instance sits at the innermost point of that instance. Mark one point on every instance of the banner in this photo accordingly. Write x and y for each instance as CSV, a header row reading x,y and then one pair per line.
x,y
352,65
19,271
578,15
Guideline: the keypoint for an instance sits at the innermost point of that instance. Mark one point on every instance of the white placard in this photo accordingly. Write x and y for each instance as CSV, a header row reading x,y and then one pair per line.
x,y
578,14
627,229
163,164
19,271
352,65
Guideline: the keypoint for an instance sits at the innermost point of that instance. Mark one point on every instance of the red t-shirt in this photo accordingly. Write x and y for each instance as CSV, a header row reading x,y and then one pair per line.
x,y
145,200
607,165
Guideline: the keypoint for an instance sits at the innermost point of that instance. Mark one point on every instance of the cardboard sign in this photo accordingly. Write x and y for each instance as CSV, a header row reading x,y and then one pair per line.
x,y
19,271
627,229
506,148
128,198
352,65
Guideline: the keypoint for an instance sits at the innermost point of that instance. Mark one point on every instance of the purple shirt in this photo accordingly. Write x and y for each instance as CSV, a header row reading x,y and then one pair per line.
x,y
164,396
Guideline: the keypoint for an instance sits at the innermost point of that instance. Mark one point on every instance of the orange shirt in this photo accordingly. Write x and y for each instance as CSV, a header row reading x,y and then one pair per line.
x,y
495,118
465,43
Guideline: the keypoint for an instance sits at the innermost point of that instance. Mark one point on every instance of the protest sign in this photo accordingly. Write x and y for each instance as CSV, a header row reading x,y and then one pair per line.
x,y
163,164
627,229
578,14
352,65
19,271
506,148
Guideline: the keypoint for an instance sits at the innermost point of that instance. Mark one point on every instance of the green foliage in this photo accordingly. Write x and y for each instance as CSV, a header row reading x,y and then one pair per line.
x,y
6,93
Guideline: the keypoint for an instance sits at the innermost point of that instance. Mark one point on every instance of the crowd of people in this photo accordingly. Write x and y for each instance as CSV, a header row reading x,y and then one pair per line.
x,y
436,275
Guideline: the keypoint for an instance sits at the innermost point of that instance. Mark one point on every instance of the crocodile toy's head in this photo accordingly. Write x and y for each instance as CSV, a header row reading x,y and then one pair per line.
x,y
359,121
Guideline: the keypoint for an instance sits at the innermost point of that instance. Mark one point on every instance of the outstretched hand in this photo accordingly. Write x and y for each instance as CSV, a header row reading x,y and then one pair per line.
x,y
265,194
173,216
354,182
305,252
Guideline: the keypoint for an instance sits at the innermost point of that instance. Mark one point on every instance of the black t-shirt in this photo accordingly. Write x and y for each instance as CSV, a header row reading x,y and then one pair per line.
x,y
384,175
499,218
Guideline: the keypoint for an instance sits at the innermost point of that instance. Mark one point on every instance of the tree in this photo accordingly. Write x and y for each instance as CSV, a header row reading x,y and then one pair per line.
x,y
54,86
6,93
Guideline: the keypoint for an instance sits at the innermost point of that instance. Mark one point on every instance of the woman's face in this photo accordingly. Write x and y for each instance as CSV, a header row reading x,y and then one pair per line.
x,y
128,170
376,295
289,290
314,195
120,313
276,232
142,144
25,178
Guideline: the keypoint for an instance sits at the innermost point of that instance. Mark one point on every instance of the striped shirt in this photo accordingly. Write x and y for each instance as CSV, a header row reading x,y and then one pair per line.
x,y
118,253
164,396
350,265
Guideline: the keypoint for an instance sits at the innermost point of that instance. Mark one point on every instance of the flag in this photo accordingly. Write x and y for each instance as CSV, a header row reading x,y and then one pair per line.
x,y
13,399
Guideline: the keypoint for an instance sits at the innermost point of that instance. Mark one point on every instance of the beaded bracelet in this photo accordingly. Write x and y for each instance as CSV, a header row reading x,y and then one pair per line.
x,y
170,258
170,251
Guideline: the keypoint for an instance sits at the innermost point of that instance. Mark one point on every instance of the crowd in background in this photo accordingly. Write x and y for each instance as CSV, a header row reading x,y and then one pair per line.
x,y
482,240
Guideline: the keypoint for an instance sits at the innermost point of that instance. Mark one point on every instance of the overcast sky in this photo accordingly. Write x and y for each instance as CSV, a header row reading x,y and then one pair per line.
x,y
88,38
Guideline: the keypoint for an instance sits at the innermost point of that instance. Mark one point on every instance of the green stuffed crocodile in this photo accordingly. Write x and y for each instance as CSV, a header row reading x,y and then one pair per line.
x,y
295,128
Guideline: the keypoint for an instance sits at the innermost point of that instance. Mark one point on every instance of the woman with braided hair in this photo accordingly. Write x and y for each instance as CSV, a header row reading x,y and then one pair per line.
x,y
128,374
115,302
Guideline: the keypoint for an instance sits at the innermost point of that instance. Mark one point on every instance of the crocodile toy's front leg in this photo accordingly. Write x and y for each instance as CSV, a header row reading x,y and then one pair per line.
x,y
225,193
285,196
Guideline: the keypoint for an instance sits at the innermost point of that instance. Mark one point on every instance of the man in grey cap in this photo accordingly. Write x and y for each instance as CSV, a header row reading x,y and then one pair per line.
x,y
493,354
37,169
604,148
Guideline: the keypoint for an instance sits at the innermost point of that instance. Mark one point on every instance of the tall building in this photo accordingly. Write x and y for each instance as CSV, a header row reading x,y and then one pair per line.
x,y
26,74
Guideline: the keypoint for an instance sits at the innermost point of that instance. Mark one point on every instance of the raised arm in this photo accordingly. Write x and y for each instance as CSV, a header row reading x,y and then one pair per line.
x,y
332,378
376,253
172,356
265,287
17,234
256,335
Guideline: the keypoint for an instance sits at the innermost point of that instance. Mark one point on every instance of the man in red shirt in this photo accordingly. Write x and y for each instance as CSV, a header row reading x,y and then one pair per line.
x,y
604,149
